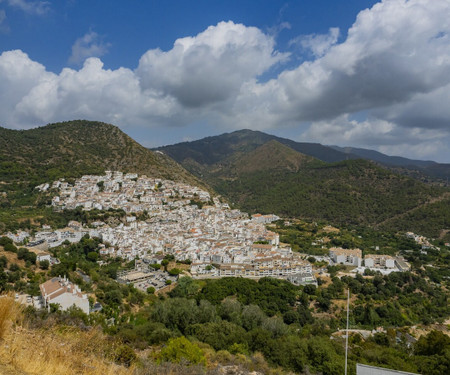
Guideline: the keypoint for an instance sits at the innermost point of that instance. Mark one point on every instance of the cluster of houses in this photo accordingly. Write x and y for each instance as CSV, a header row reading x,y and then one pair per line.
x,y
422,241
129,192
258,260
379,262
217,241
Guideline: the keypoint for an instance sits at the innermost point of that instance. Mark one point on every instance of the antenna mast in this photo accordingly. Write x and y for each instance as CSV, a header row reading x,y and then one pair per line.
x,y
346,331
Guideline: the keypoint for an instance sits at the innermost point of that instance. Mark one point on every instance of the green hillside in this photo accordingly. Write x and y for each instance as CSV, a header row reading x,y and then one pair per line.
x,y
263,174
69,150
74,148
352,192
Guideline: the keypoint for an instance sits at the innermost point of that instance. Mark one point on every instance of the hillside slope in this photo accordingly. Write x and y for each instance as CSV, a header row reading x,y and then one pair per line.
x,y
259,172
72,149
418,169
211,150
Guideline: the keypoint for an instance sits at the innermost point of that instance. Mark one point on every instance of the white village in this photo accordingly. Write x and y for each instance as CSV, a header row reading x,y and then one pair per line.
x,y
164,217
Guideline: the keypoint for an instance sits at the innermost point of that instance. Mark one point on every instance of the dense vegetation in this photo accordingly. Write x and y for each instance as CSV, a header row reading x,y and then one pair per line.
x,y
243,316
262,173
74,148
347,193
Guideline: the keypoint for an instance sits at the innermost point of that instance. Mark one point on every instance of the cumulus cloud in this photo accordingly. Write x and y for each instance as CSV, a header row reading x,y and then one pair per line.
x,y
89,45
393,65
211,66
394,51
31,7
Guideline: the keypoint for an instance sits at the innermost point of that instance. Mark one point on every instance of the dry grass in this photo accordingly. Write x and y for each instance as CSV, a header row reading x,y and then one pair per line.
x,y
9,313
55,351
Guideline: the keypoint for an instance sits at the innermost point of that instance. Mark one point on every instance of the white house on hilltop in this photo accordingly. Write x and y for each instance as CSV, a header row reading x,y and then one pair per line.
x,y
61,291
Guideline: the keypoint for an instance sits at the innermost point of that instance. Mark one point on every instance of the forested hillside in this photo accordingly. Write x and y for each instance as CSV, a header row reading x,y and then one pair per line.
x,y
71,149
261,173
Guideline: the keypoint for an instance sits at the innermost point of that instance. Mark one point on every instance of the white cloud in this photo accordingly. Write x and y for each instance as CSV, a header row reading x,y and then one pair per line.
x,y
31,7
211,66
391,54
318,44
89,45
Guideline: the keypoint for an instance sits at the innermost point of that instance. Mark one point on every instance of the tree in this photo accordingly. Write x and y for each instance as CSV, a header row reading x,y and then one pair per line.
x,y
92,256
10,247
181,350
252,317
44,264
435,342
187,287
3,262
22,253
125,355
5,240
174,272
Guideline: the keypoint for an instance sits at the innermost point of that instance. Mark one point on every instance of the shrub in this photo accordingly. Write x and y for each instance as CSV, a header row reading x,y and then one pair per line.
x,y
181,350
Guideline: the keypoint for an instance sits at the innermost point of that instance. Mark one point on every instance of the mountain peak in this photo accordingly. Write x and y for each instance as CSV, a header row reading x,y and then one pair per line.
x,y
271,156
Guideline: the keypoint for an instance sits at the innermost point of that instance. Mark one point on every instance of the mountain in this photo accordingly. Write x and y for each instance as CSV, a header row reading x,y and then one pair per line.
x,y
75,148
211,150
215,149
262,173
414,168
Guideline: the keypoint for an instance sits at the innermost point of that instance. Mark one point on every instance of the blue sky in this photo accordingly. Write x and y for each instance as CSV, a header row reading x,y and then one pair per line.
x,y
352,73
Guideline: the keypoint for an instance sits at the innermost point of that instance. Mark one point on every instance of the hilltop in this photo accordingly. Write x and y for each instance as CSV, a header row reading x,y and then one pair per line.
x,y
74,148
211,150
260,172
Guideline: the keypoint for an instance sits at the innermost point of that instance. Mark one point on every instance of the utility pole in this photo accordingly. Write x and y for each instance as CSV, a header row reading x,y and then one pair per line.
x,y
346,331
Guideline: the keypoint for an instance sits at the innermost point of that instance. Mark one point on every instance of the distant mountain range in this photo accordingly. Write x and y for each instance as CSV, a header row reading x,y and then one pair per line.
x,y
261,172
211,150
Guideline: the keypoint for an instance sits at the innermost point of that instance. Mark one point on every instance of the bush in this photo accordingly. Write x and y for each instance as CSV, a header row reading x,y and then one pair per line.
x,y
10,247
5,241
181,350
125,355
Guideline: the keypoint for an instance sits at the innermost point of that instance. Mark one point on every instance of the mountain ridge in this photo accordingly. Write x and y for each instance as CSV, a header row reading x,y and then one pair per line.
x,y
211,150
252,169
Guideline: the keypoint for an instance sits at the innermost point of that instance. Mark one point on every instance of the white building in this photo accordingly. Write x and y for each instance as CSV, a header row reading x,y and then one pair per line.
x,y
379,261
61,291
349,257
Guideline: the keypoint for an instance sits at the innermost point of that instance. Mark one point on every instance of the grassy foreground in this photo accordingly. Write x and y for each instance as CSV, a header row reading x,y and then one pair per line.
x,y
52,352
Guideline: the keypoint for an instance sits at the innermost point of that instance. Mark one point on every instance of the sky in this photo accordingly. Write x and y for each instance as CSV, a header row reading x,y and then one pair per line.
x,y
361,73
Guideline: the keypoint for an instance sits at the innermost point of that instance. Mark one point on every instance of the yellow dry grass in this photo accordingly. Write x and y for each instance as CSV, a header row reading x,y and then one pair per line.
x,y
57,351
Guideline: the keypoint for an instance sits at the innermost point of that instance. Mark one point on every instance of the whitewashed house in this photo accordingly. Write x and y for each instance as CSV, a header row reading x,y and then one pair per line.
x,y
61,291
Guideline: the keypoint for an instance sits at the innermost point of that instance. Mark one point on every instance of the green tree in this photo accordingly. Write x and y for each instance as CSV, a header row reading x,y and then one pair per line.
x,y
181,350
